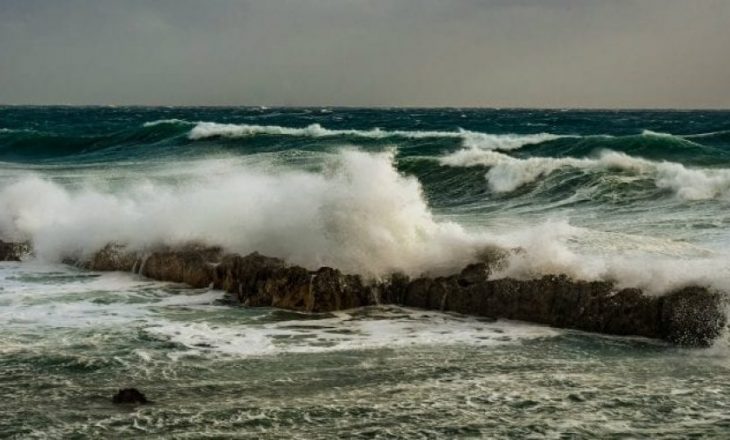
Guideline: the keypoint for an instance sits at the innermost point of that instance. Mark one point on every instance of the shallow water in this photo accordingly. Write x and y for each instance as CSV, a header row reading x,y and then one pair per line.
x,y
69,339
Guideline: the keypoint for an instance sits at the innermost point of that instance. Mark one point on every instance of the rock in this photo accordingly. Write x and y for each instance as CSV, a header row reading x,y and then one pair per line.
x,y
237,274
692,316
193,265
10,251
260,281
129,395
113,257
332,290
474,273
392,289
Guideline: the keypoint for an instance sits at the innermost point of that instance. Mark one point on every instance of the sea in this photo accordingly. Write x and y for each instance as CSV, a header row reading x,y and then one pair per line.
x,y
637,197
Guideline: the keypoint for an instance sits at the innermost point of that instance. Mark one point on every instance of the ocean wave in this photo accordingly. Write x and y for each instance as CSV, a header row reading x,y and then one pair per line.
x,y
546,248
507,173
708,134
29,145
166,122
205,130
336,218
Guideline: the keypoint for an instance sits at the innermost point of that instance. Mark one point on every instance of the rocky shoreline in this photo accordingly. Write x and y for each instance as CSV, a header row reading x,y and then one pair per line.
x,y
692,316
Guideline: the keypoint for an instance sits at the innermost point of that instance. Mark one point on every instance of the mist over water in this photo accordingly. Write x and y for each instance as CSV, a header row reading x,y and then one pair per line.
x,y
638,198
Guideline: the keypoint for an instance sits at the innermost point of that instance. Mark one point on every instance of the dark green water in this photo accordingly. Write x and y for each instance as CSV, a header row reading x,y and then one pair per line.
x,y
70,339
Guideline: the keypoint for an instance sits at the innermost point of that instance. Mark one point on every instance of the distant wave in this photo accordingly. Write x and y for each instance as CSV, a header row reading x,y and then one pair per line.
x,y
508,173
165,136
166,122
709,134
204,130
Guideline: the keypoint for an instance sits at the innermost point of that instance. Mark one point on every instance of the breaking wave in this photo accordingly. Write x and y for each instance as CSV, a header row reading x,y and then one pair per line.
x,y
204,130
336,217
507,173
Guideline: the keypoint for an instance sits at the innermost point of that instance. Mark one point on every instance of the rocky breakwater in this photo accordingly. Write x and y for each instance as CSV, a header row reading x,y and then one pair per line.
x,y
10,251
689,316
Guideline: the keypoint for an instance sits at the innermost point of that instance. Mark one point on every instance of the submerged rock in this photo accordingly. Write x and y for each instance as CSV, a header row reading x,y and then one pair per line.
x,y
692,316
10,251
129,395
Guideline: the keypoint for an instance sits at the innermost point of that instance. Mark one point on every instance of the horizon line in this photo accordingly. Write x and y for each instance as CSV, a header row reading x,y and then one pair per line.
x,y
380,107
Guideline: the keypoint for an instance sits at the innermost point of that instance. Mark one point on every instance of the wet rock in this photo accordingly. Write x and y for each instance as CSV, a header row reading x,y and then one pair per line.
x,y
237,274
10,251
113,257
193,265
692,316
129,395
474,273
392,289
259,281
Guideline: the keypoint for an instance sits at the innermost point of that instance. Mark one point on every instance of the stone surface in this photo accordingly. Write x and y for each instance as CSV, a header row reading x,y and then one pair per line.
x,y
193,265
692,316
10,251
129,395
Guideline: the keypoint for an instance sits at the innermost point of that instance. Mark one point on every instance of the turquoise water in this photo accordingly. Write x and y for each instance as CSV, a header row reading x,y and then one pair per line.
x,y
637,197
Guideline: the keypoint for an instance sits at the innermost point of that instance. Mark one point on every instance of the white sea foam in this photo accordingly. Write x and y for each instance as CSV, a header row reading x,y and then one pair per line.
x,y
203,130
508,173
172,121
393,327
360,215
657,266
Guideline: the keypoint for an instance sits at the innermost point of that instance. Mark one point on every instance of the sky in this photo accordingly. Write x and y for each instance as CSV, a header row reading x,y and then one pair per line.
x,y
480,53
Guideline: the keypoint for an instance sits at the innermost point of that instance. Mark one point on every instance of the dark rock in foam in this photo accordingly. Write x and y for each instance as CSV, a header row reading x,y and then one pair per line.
x,y
129,395
10,251
691,316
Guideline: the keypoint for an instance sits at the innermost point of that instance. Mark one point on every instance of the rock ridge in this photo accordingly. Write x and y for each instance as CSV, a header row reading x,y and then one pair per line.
x,y
691,316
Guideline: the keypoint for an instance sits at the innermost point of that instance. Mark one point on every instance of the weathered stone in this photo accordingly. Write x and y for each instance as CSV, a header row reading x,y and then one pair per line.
x,y
237,274
474,273
10,251
129,395
113,257
392,289
192,265
692,316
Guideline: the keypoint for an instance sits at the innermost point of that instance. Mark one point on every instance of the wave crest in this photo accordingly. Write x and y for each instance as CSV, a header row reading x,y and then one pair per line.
x,y
337,218
204,130
508,173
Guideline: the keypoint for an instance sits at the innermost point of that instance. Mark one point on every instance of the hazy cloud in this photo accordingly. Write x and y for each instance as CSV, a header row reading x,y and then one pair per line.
x,y
556,53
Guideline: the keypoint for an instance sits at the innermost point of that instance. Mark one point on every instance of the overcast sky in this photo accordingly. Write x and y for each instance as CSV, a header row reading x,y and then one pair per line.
x,y
495,53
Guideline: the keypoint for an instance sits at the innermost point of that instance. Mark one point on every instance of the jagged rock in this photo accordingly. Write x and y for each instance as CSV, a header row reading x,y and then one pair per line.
x,y
129,395
392,289
331,290
192,265
260,281
238,274
692,316
10,251
113,257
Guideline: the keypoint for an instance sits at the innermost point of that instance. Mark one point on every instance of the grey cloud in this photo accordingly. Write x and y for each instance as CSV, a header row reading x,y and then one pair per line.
x,y
549,53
